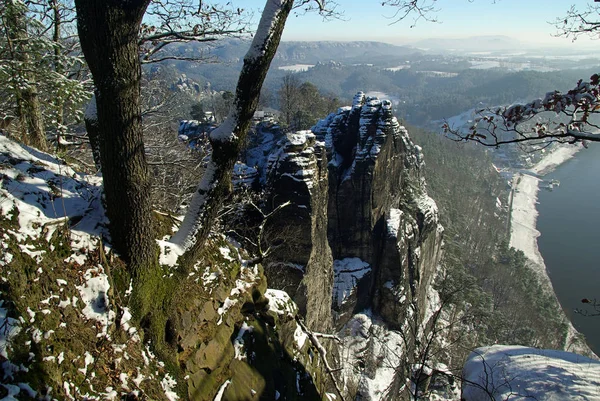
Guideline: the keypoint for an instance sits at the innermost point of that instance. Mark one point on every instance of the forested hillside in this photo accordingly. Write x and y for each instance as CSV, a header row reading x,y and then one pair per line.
x,y
488,281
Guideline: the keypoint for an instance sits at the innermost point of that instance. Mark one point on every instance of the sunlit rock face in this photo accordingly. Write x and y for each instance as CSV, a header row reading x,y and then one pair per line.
x,y
378,211
301,263
360,231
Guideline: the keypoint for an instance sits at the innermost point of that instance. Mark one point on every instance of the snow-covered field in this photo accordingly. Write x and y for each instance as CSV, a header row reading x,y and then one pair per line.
x,y
398,68
296,67
513,66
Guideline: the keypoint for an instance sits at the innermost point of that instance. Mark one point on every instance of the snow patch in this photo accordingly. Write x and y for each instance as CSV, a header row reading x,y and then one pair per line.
x,y
169,252
280,303
523,373
94,294
221,391
238,343
168,384
9,328
347,274
393,222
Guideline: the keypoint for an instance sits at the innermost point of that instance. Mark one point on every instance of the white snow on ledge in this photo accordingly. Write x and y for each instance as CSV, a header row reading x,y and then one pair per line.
x,y
347,274
521,373
393,222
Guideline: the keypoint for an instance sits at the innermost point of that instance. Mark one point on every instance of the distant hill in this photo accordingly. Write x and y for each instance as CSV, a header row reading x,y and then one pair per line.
x,y
349,52
359,52
487,43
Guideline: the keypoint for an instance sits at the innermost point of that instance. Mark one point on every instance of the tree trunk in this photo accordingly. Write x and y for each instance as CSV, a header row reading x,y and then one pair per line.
x,y
28,103
228,139
58,67
108,31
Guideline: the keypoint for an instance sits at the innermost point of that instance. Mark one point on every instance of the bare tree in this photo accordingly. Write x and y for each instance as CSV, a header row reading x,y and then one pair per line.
x,y
558,117
578,23
289,97
421,9
169,23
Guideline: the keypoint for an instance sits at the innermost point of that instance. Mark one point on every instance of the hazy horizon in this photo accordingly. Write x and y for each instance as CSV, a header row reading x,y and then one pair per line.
x,y
366,20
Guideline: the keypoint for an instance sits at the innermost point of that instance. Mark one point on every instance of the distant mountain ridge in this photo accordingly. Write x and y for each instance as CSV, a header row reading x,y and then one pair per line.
x,y
233,50
355,51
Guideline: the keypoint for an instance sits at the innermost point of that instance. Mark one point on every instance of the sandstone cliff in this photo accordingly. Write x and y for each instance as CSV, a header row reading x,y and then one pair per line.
x,y
366,201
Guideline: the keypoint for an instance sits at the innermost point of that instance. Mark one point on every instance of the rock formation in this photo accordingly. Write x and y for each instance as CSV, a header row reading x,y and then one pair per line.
x,y
302,265
369,197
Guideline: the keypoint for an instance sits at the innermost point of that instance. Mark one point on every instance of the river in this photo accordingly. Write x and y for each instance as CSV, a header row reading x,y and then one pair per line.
x,y
569,223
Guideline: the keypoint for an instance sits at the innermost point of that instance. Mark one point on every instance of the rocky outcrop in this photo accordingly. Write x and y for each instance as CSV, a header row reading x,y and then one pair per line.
x,y
302,262
360,233
378,209
355,187
238,339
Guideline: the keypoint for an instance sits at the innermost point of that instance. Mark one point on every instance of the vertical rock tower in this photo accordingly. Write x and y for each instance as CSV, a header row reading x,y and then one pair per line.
x,y
361,231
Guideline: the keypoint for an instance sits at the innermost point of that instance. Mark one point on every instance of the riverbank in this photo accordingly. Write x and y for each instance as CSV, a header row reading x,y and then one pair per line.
x,y
523,230
555,158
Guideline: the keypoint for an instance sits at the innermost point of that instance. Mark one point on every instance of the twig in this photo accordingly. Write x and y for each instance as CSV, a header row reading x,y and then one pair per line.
x,y
323,352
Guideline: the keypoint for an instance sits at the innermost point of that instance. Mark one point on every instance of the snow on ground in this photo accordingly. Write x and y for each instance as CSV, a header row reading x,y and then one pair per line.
x,y
94,294
280,303
248,276
460,121
41,195
239,343
500,62
523,232
398,68
9,328
558,155
47,195
521,373
169,252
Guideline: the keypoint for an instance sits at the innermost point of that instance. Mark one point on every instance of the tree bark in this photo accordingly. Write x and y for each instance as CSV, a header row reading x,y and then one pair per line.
x,y
228,139
108,31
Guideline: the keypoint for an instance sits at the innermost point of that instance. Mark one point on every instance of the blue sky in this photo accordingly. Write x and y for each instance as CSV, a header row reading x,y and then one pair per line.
x,y
526,20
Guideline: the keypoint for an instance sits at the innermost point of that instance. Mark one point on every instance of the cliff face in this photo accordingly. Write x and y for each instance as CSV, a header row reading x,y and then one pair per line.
x,y
359,235
366,201
359,242
302,264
